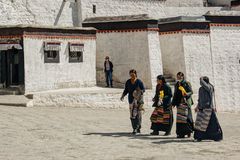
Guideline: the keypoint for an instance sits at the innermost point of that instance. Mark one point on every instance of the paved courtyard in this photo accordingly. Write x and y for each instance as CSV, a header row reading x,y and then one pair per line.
x,y
101,134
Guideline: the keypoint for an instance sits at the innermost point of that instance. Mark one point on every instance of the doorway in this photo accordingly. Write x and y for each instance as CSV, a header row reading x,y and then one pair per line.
x,y
11,68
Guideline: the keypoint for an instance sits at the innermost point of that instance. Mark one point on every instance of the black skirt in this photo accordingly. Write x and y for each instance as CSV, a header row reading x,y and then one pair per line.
x,y
167,121
213,132
184,125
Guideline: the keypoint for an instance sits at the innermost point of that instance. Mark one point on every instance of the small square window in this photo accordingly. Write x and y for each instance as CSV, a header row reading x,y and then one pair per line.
x,y
51,56
76,52
76,56
94,9
51,52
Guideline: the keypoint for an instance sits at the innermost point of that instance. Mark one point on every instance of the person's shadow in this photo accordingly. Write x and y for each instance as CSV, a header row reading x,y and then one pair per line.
x,y
163,139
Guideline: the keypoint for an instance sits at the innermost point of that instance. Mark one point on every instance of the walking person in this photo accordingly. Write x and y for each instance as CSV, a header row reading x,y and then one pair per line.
x,y
207,126
182,99
133,85
162,116
108,69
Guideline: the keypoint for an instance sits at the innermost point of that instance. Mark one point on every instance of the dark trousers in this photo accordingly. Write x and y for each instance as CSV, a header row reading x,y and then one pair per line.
x,y
137,121
108,75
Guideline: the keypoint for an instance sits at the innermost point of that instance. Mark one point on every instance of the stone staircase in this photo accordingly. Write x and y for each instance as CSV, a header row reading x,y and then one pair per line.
x,y
12,90
170,80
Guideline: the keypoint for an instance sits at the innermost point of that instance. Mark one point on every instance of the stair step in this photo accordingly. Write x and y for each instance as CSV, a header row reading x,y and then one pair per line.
x,y
168,76
12,90
172,83
170,80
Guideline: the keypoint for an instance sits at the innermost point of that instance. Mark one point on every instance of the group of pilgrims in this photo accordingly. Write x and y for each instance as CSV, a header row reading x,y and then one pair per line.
x,y
206,126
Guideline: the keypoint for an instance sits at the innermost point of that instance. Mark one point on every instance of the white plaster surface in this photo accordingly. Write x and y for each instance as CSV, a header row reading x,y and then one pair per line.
x,y
92,97
198,58
226,60
44,76
154,8
60,13
44,12
172,53
155,56
127,50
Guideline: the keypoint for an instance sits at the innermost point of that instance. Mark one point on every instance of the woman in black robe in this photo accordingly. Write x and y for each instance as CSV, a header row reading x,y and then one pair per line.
x,y
182,99
162,116
207,126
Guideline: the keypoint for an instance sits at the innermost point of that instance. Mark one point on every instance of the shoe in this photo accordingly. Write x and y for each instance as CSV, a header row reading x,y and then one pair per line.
x,y
106,86
138,131
217,140
180,136
134,132
111,86
167,134
198,140
154,133
189,135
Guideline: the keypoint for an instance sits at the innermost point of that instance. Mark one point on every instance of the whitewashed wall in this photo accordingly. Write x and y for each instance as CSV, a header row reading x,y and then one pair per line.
x,y
130,50
46,76
172,53
198,57
154,8
184,3
155,56
226,56
60,13
44,12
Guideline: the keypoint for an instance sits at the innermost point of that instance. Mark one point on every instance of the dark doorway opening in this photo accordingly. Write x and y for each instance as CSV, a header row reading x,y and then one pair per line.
x,y
11,68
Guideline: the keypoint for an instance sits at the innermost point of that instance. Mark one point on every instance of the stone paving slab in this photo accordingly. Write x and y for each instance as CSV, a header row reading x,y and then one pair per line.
x,y
14,100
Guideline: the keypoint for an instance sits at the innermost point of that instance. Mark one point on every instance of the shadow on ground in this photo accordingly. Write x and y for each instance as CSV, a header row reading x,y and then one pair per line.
x,y
163,139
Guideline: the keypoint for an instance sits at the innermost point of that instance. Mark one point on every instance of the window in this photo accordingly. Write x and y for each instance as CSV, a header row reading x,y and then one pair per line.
x,y
94,9
51,52
76,52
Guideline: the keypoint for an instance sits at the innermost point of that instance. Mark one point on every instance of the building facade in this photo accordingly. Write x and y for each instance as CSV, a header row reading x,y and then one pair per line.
x,y
43,58
197,37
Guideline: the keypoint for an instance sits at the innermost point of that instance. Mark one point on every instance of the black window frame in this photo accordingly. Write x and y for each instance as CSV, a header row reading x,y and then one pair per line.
x,y
75,60
51,59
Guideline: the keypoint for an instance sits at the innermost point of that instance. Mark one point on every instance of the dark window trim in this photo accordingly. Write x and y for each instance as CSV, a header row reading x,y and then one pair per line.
x,y
71,60
51,60
94,9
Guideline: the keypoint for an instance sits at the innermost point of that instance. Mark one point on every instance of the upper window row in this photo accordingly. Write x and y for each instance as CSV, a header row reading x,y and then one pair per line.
x,y
52,49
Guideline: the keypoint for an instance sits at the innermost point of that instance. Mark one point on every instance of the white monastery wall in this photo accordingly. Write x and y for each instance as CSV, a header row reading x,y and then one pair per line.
x,y
184,3
127,50
154,8
44,12
46,76
226,60
172,53
198,58
60,13
155,56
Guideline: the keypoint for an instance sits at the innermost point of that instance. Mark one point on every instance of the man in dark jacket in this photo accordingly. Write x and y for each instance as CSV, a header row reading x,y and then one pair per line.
x,y
108,69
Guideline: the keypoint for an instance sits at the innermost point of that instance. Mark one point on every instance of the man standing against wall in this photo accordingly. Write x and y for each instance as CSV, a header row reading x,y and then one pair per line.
x,y
108,69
